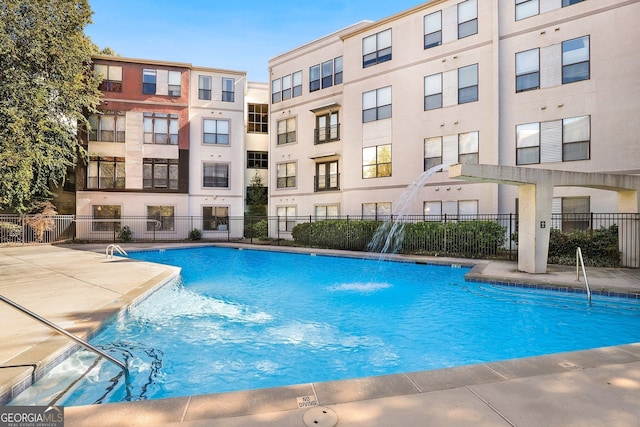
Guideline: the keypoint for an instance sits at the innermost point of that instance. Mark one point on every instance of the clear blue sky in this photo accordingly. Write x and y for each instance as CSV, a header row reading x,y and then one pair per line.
x,y
237,35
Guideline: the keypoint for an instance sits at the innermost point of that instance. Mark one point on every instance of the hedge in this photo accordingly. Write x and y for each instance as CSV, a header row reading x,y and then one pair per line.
x,y
599,247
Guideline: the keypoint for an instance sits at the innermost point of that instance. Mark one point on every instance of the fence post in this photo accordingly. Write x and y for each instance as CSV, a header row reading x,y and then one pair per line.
x,y
310,233
278,229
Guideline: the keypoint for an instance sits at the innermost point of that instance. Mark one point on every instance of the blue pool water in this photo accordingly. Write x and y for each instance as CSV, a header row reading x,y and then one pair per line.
x,y
246,319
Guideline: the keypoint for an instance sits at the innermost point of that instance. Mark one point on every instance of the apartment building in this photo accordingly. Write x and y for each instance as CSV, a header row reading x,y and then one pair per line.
x,y
167,144
217,123
358,115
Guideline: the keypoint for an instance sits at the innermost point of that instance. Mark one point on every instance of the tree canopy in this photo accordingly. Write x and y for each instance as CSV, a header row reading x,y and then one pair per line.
x,y
46,86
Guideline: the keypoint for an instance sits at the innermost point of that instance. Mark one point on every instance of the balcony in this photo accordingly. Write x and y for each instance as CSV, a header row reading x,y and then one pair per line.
x,y
326,182
326,134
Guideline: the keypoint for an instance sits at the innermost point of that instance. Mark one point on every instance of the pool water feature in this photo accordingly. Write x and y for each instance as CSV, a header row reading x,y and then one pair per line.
x,y
246,319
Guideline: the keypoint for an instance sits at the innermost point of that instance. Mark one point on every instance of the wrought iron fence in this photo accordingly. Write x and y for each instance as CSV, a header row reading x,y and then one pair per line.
x,y
341,232
22,229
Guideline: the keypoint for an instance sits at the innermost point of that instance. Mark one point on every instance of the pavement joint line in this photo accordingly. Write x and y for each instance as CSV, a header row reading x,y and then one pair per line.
x,y
412,382
186,408
493,408
495,372
315,394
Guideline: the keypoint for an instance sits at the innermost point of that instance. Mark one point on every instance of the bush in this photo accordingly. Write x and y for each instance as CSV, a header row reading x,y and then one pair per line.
x,y
466,238
599,247
256,229
125,234
195,234
10,232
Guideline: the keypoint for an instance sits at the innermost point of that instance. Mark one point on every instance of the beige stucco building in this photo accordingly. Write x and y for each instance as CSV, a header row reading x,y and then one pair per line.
x,y
358,115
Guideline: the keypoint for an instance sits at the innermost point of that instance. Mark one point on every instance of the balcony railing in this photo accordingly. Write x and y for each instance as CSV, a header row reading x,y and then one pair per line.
x,y
327,182
326,134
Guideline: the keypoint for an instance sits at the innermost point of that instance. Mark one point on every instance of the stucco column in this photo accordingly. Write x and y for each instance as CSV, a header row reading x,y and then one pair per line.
x,y
534,224
628,202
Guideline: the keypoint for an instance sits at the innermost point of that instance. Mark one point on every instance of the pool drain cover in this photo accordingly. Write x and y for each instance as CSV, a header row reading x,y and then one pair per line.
x,y
320,416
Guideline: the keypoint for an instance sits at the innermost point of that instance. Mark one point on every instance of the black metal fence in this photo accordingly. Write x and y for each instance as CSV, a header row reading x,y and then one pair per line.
x,y
16,229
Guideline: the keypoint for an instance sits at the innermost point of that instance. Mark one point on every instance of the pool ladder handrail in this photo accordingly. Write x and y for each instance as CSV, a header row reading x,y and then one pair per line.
x,y
108,252
69,335
580,262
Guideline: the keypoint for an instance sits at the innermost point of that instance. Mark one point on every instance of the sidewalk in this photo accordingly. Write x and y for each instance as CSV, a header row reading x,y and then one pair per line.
x,y
79,289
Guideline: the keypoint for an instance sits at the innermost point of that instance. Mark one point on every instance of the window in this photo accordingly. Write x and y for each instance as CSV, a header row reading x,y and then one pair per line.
x,y
528,144
108,126
468,147
376,104
433,30
526,8
286,217
228,89
204,87
467,18
327,176
575,213
110,214
432,152
454,209
553,141
327,128
286,175
160,128
276,91
337,70
433,92
326,211
287,87
161,218
297,83
376,48
576,138
575,60
215,131
175,83
258,120
111,77
566,3
215,218
161,82
468,84
160,174
314,78
528,70
376,161
287,130
325,75
149,82
215,175
257,159
105,173
376,210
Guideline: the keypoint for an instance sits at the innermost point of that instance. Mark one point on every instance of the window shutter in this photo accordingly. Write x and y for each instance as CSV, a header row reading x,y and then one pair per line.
x,y
551,141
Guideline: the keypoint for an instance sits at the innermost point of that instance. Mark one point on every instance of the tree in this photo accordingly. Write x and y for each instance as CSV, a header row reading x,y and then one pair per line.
x,y
46,84
256,197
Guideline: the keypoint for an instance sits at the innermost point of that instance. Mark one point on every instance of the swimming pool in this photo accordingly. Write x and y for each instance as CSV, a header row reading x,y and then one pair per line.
x,y
246,319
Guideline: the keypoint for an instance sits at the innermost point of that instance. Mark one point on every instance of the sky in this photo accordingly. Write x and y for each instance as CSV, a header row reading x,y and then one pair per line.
x,y
240,35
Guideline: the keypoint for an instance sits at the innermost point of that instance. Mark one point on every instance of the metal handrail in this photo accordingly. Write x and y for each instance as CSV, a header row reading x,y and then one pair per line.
x,y
69,335
113,247
580,262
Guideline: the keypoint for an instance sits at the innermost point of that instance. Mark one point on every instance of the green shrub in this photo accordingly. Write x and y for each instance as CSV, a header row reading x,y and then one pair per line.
x,y
10,232
195,234
466,238
599,247
125,234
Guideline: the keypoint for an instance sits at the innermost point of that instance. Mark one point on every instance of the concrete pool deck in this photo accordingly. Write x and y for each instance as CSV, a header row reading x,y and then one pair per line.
x,y
80,289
